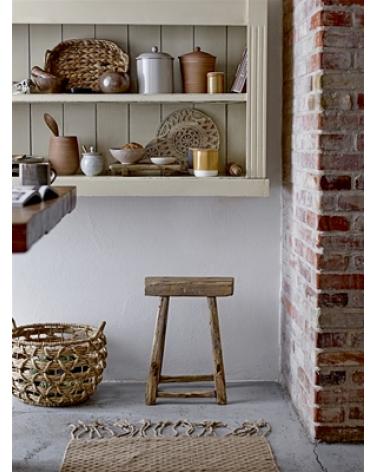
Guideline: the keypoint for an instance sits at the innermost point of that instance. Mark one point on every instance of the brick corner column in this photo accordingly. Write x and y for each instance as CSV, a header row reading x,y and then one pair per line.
x,y
322,279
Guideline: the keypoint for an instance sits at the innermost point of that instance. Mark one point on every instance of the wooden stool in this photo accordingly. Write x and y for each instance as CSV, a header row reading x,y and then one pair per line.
x,y
166,287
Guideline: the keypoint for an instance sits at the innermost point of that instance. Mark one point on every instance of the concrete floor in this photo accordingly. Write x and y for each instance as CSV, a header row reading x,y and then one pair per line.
x,y
40,435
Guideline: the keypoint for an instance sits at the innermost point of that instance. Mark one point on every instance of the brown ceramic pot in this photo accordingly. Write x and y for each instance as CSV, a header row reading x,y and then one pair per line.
x,y
64,154
194,68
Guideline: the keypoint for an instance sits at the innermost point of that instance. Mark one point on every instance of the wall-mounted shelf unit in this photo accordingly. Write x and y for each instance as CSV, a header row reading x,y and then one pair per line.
x,y
221,27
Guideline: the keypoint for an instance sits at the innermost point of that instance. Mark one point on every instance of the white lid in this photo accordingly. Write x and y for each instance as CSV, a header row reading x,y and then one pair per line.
x,y
155,54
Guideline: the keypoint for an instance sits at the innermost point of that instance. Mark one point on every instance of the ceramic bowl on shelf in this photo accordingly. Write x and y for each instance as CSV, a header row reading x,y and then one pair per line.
x,y
161,161
127,156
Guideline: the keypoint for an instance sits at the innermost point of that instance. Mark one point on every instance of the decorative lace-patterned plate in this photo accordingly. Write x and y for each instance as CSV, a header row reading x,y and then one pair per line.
x,y
184,129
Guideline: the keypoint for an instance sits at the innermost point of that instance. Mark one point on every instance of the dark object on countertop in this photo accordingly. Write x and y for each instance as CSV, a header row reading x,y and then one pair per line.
x,y
46,82
81,90
114,82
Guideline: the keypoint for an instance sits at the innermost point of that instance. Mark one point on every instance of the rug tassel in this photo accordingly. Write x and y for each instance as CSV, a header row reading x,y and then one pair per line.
x,y
160,429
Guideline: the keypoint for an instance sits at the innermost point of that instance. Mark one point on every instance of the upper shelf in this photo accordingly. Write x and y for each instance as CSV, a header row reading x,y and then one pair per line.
x,y
138,12
130,98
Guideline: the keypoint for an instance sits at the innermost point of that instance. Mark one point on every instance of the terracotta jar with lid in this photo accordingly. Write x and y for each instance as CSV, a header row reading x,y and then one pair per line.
x,y
194,68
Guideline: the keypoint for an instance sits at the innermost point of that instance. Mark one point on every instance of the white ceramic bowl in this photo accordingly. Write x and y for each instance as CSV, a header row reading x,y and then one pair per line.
x,y
127,156
163,161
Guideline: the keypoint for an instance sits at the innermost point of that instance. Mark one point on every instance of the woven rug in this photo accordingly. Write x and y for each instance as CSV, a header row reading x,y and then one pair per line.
x,y
168,447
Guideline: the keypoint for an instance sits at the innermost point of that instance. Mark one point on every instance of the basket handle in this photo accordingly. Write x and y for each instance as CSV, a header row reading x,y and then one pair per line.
x,y
47,54
100,329
14,323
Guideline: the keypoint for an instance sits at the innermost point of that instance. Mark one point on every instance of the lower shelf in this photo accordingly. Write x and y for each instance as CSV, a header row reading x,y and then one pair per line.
x,y
167,186
105,186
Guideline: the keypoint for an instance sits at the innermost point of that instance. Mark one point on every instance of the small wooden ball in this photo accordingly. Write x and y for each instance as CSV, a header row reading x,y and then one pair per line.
x,y
235,170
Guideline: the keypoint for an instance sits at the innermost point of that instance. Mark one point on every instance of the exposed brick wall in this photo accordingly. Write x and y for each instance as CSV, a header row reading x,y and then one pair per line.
x,y
322,283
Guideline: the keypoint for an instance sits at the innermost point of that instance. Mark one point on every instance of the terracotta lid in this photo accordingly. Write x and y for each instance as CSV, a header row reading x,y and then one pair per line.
x,y
154,54
196,55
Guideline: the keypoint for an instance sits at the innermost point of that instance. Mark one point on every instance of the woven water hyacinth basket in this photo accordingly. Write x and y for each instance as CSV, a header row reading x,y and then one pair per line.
x,y
57,364
82,61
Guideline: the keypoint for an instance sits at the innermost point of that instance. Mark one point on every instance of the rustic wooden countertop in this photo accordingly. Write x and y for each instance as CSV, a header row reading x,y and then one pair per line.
x,y
31,222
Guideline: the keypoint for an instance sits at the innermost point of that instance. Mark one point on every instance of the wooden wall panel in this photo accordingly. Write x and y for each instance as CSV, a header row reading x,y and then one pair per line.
x,y
43,37
236,134
21,129
176,41
212,39
116,33
78,31
144,121
236,41
141,39
112,128
80,121
20,52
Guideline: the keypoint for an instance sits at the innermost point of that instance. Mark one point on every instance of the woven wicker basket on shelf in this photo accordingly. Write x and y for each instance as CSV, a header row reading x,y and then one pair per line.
x,y
57,364
82,61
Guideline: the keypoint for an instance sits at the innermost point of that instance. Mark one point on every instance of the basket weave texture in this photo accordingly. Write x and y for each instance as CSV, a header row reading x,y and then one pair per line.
x,y
57,364
82,61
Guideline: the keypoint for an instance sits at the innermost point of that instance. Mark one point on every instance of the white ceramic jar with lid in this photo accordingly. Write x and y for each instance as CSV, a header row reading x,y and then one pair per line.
x,y
92,163
155,72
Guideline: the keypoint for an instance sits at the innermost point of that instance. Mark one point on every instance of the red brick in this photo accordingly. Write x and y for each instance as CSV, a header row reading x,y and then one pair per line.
x,y
358,263
343,162
347,242
336,101
328,358
344,3
331,18
358,377
359,182
333,262
324,340
331,434
331,300
340,281
341,60
329,415
360,101
358,19
338,395
335,182
356,340
335,142
356,413
333,223
360,142
334,377
351,202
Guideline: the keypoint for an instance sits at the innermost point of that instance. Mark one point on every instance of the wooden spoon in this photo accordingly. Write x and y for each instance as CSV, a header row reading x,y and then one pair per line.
x,y
51,123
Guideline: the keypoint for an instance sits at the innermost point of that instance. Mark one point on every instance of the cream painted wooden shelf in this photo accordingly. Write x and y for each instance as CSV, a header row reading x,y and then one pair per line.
x,y
221,27
109,186
130,98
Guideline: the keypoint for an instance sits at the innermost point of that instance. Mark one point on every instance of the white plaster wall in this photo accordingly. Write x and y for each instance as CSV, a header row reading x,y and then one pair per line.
x,y
92,267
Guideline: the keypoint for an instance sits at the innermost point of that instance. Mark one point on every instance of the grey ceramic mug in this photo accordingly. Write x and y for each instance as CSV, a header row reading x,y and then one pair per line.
x,y
37,174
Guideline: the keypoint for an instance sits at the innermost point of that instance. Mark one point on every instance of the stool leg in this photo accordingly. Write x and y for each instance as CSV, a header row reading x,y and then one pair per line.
x,y
157,353
219,377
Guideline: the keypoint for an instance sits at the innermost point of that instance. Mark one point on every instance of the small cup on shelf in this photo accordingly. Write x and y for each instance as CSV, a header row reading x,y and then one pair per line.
x,y
215,82
205,162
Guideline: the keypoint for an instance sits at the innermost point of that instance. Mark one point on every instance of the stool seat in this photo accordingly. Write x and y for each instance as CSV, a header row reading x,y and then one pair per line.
x,y
189,286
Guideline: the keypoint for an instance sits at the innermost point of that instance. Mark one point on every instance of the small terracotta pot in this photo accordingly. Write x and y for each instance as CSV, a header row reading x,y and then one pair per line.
x,y
64,154
194,68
